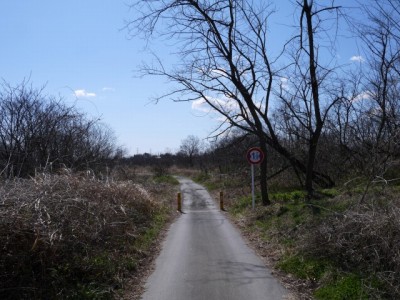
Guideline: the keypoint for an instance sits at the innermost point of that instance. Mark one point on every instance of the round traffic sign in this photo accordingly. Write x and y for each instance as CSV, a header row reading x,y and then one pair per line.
x,y
255,155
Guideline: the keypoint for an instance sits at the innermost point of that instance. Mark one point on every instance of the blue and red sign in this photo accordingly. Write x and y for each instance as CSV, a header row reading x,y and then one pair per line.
x,y
255,156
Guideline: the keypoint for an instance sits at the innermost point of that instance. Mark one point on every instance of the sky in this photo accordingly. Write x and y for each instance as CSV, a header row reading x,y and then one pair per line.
x,y
79,50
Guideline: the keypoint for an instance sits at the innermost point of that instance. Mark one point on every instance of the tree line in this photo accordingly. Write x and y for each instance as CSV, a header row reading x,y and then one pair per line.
x,y
40,133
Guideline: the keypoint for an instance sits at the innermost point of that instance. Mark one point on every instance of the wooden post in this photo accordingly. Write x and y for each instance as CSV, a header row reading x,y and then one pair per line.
x,y
221,200
179,199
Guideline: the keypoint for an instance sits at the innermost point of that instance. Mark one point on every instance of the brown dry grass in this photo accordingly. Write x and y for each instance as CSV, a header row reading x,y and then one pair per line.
x,y
75,237
365,238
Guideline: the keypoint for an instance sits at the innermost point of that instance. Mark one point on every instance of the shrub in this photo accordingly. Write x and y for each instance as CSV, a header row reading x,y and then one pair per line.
x,y
70,237
365,238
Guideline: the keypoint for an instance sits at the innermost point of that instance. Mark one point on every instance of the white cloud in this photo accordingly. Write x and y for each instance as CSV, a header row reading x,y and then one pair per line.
x,y
220,72
284,83
200,105
225,104
363,96
108,89
83,94
357,58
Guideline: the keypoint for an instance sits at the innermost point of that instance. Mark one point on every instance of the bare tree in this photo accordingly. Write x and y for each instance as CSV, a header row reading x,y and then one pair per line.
x,y
225,63
363,125
191,147
40,132
374,111
306,101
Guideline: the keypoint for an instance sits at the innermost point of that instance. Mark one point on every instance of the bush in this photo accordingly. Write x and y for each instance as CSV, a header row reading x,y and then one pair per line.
x,y
70,237
366,239
40,133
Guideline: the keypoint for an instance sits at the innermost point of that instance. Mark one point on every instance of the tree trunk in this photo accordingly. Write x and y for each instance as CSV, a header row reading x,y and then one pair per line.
x,y
263,175
312,151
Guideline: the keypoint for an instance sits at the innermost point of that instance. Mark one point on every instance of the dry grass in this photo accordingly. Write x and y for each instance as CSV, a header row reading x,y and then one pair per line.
x,y
73,237
366,239
349,250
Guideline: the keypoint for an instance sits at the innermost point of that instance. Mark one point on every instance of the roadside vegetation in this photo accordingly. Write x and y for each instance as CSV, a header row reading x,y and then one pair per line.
x,y
328,202
340,244
343,245
75,223
77,237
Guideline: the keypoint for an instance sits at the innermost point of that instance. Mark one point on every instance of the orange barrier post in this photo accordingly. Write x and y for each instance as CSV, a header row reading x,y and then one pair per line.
x,y
179,198
221,200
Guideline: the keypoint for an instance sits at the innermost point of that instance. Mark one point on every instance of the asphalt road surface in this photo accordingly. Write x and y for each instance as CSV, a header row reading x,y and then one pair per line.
x,y
205,257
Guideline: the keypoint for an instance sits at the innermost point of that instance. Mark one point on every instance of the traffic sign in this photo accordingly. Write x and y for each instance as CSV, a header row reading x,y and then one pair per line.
x,y
255,156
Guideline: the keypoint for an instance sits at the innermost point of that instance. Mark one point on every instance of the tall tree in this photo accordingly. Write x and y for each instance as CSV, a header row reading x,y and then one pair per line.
x,y
191,147
305,102
225,63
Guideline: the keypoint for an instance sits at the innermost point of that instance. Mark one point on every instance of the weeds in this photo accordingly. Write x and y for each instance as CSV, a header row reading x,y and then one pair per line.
x,y
241,205
305,267
168,179
349,250
364,238
73,237
349,286
294,196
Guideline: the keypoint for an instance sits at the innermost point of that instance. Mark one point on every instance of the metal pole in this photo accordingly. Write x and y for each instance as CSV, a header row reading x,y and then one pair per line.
x,y
252,187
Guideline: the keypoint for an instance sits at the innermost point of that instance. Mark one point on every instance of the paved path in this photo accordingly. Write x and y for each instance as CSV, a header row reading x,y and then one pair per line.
x,y
204,257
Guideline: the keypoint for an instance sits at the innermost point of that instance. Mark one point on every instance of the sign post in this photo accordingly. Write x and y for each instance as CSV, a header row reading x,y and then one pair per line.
x,y
253,196
254,156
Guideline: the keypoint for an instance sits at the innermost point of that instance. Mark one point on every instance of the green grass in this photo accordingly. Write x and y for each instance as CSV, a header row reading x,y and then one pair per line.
x,y
331,193
147,237
244,203
294,196
346,287
287,212
305,268
104,265
212,186
207,180
202,177
166,179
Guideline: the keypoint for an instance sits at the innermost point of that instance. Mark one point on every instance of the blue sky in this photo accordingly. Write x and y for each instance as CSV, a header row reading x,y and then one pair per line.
x,y
79,50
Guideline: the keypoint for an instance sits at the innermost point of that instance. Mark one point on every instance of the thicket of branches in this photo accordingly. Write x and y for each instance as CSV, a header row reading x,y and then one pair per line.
x,y
41,133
